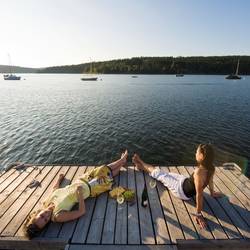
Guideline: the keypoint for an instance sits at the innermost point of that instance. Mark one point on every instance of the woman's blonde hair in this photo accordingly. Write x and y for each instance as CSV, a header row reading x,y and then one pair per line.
x,y
30,229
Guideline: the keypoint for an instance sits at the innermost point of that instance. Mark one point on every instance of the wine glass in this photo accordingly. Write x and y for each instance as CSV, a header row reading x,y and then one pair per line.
x,y
152,183
120,199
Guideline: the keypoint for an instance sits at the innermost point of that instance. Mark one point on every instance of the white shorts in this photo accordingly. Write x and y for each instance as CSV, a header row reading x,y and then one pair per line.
x,y
173,181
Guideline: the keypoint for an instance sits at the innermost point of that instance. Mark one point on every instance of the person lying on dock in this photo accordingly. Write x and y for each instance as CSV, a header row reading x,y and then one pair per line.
x,y
186,187
57,206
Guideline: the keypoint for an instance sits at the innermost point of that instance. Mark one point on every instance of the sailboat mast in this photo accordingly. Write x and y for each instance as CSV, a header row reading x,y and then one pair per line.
x,y
9,64
237,69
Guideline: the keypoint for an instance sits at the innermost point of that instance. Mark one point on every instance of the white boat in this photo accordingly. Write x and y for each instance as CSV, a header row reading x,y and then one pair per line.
x,y
11,76
91,77
234,76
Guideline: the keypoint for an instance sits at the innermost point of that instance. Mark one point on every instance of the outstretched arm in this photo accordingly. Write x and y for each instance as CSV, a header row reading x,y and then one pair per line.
x,y
58,182
211,188
199,199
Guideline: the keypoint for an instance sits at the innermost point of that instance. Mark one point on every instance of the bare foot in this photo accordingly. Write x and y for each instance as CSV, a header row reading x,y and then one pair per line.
x,y
138,162
124,157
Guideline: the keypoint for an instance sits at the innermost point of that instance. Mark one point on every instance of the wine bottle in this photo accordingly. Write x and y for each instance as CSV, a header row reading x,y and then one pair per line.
x,y
144,196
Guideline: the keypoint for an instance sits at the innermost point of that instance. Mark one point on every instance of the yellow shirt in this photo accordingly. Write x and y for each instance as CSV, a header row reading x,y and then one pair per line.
x,y
100,179
65,198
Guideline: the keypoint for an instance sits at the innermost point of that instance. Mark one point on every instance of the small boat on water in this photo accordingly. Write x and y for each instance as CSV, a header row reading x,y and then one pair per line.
x,y
134,76
234,76
89,78
179,75
11,77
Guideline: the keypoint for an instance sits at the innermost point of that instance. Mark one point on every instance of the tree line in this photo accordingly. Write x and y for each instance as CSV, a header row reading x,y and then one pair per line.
x,y
159,65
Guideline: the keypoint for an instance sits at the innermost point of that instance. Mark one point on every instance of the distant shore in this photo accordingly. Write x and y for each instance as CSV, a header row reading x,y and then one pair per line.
x,y
210,65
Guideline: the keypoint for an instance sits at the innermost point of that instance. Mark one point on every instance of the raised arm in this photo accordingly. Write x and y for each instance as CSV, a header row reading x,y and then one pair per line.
x,y
211,188
58,182
72,215
198,181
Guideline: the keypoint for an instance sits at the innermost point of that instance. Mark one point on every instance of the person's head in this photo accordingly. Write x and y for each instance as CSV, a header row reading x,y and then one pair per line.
x,y
205,157
36,221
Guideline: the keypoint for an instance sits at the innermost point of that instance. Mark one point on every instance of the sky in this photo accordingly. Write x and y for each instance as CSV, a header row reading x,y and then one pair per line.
x,y
40,33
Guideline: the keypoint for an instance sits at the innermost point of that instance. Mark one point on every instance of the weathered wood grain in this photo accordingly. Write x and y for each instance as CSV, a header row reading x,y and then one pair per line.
x,y
160,227
133,219
108,233
146,226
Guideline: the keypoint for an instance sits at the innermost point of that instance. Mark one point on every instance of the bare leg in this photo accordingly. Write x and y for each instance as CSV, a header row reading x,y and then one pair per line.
x,y
58,182
115,172
116,166
141,165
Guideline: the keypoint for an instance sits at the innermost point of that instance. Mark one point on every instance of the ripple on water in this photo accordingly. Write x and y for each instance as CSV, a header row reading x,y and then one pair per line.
x,y
162,118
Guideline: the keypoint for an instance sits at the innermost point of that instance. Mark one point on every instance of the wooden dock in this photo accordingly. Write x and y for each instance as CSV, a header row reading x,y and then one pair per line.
x,y
167,223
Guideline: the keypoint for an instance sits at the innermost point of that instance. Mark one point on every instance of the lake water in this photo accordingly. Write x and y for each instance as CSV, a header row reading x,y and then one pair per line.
x,y
59,119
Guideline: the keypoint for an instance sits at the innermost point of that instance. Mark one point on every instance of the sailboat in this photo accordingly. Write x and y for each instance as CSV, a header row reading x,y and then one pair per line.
x,y
11,76
234,76
90,78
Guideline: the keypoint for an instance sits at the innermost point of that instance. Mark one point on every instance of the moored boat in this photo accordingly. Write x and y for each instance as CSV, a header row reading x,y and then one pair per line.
x,y
11,77
89,78
234,76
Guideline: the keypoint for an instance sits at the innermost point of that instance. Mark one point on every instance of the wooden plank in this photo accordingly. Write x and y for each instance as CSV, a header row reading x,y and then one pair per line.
x,y
8,190
182,213
212,221
35,244
39,204
191,207
122,214
213,244
133,219
219,212
67,229
24,203
230,209
96,226
9,180
170,215
146,227
11,206
122,247
239,200
108,233
53,228
8,199
237,187
241,177
83,223
6,174
160,227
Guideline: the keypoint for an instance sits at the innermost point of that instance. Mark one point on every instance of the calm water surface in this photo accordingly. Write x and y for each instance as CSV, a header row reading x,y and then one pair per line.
x,y
61,120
